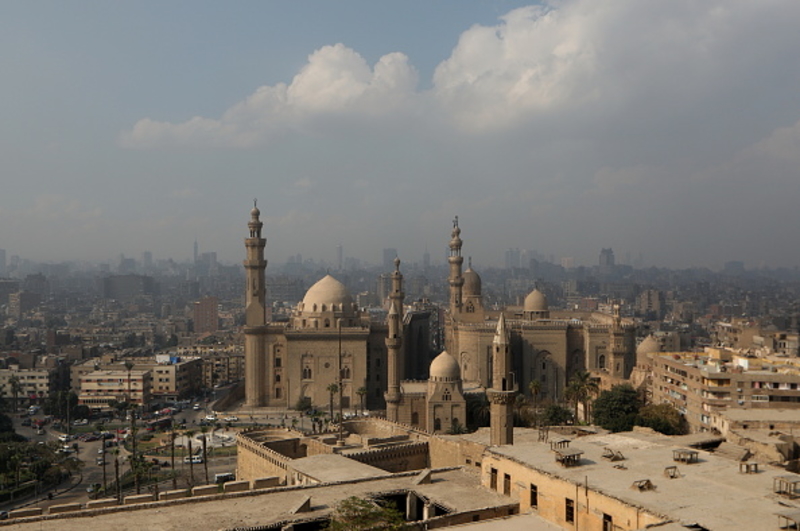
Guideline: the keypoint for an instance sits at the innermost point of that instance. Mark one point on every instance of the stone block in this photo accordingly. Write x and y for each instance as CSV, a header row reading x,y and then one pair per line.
x,y
65,508
22,513
99,504
423,478
173,494
303,506
264,483
236,486
205,490
139,498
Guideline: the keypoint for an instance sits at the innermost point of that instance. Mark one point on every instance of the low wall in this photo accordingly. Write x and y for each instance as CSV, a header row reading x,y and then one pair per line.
x,y
205,490
139,498
236,486
99,504
22,513
65,508
173,494
264,483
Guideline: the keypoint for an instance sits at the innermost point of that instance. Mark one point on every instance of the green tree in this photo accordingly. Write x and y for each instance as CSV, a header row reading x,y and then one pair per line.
x,y
556,415
356,514
204,432
616,409
580,390
332,390
535,387
663,418
16,389
478,409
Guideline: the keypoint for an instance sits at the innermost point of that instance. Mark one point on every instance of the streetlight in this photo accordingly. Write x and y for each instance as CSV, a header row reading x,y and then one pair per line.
x,y
340,442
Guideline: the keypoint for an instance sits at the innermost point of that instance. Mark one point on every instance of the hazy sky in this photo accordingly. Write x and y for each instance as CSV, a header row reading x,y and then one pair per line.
x,y
670,128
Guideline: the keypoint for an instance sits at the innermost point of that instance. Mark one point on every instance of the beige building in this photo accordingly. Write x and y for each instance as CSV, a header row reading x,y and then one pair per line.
x,y
327,341
701,385
544,346
32,384
99,388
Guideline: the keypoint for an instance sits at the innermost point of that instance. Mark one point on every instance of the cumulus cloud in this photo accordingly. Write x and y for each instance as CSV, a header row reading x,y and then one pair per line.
x,y
335,80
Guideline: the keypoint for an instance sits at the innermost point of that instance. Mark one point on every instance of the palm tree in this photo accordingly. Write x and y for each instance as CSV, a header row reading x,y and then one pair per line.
x,y
204,431
16,387
189,434
582,387
535,387
172,458
101,428
332,390
362,392
129,365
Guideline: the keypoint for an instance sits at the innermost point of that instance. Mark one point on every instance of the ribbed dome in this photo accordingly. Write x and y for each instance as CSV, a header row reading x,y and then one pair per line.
x,y
648,345
328,294
472,283
445,368
535,302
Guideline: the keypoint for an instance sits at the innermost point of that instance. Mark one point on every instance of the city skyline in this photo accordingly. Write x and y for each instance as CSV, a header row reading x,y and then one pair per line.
x,y
561,127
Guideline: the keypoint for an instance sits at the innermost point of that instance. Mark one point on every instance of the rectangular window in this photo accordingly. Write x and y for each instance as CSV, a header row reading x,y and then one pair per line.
x,y
569,512
493,479
608,522
507,484
277,362
534,496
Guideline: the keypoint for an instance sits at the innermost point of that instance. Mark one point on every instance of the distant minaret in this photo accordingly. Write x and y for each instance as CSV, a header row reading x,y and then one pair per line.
x,y
504,388
617,344
455,260
394,342
195,250
255,314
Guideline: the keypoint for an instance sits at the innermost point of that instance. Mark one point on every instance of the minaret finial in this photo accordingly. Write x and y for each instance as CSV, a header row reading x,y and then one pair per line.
x,y
455,222
469,262
255,203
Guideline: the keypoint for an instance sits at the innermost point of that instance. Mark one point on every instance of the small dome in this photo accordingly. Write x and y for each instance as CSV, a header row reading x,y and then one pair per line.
x,y
445,368
255,213
330,293
472,283
647,346
535,302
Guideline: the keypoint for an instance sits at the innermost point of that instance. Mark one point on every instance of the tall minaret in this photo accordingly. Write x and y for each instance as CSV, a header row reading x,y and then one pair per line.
x,y
455,260
504,388
394,342
255,314
617,344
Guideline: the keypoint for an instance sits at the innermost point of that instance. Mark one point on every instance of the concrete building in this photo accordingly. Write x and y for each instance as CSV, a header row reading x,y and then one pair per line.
x,y
99,388
206,315
22,302
32,385
701,385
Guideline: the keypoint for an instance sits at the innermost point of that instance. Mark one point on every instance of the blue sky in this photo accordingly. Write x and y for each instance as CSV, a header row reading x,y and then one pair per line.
x,y
666,128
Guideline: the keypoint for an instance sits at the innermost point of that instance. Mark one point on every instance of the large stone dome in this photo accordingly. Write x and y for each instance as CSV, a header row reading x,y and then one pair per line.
x,y
445,368
648,346
472,283
327,295
535,302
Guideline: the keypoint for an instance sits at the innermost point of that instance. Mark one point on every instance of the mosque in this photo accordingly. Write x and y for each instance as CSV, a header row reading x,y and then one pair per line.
x,y
328,340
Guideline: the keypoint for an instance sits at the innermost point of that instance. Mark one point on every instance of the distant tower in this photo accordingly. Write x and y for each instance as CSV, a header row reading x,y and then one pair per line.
x,y
504,388
617,344
339,257
456,261
195,250
394,342
255,313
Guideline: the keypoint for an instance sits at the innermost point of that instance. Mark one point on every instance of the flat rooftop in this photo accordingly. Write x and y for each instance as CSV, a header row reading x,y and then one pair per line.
x,y
711,492
327,468
453,489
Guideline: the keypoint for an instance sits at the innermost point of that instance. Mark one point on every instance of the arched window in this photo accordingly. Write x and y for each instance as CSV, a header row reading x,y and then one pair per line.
x,y
601,362
324,308
327,323
306,373
315,308
470,307
415,419
446,395
345,373
437,424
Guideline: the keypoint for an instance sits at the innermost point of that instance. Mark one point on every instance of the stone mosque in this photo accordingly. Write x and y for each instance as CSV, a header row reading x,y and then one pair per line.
x,y
328,340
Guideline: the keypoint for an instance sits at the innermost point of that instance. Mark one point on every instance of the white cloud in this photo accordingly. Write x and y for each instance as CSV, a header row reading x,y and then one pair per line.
x,y
335,80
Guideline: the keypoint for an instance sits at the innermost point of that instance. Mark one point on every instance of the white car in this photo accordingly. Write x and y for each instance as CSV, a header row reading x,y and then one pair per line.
x,y
196,459
232,419
211,418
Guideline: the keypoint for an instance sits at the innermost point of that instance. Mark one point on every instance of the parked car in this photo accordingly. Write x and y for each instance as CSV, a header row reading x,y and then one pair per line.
x,y
196,459
232,418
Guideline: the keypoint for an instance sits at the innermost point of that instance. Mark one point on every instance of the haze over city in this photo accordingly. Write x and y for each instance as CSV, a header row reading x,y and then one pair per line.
x,y
669,129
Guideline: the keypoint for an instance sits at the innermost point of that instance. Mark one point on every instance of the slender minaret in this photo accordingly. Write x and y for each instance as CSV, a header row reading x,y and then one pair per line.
x,y
456,261
504,388
255,314
617,344
394,342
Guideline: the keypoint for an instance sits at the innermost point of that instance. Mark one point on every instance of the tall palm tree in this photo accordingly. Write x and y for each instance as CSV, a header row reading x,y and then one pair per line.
x,y
172,457
189,434
582,387
332,390
204,431
16,387
101,428
362,392
129,365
